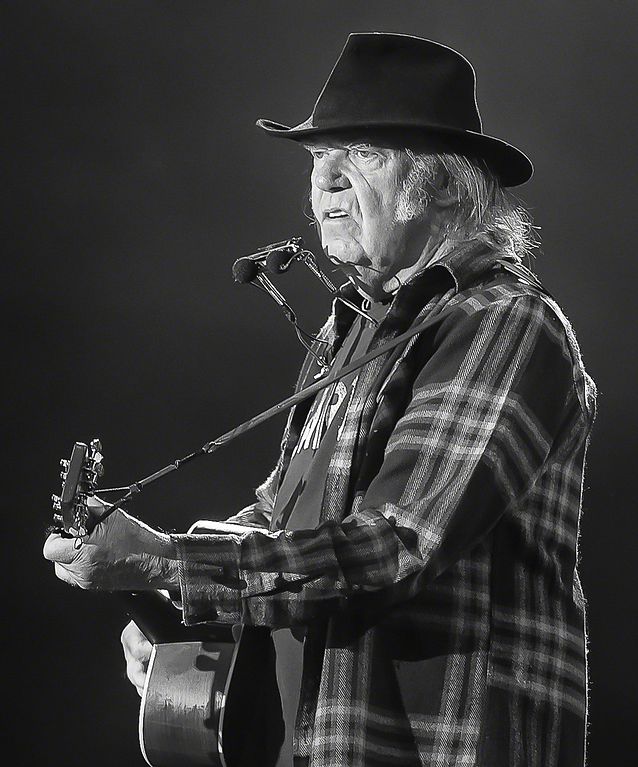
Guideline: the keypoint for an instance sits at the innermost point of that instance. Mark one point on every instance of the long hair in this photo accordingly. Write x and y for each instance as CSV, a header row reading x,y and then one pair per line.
x,y
485,210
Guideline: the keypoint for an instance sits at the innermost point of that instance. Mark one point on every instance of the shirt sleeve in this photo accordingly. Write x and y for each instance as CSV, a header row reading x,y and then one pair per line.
x,y
486,411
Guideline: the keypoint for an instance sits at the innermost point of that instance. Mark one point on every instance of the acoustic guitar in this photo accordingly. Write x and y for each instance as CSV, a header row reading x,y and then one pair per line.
x,y
210,696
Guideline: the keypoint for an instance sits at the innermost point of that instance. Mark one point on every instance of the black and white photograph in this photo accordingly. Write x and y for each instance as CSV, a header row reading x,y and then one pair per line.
x,y
321,363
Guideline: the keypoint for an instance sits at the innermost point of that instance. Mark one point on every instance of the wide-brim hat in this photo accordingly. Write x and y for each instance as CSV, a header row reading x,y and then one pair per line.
x,y
408,88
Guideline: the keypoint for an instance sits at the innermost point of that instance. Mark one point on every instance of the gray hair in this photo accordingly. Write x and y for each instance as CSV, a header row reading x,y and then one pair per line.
x,y
486,210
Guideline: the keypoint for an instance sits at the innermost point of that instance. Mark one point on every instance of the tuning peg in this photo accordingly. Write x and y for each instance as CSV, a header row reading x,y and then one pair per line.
x,y
63,475
57,503
96,445
58,521
64,463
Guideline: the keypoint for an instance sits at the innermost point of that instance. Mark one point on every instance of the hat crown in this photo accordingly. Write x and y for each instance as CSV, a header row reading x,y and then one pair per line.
x,y
411,90
391,78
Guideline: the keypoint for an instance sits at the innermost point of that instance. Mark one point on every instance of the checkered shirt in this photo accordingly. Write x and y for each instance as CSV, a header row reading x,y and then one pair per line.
x,y
445,621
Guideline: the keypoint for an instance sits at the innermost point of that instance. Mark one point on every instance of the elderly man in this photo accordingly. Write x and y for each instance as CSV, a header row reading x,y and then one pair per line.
x,y
417,560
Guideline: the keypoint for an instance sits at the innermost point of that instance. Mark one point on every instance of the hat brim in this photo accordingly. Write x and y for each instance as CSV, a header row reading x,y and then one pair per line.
x,y
512,166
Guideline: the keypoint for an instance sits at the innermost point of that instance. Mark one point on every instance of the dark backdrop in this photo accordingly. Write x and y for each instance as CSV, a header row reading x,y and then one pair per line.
x,y
136,176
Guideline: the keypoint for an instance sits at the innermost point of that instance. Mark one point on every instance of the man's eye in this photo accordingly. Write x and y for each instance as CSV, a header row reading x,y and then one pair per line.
x,y
318,154
364,156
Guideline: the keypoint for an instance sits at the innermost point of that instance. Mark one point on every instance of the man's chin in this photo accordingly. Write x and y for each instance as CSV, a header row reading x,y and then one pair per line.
x,y
358,271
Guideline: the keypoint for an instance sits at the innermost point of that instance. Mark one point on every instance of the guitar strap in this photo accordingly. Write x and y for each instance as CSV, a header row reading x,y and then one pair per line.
x,y
280,407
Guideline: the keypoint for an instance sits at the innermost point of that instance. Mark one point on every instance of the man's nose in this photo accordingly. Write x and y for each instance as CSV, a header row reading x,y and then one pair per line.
x,y
328,175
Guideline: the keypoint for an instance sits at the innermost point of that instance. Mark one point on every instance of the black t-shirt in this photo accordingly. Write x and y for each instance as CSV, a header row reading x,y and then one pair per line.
x,y
300,496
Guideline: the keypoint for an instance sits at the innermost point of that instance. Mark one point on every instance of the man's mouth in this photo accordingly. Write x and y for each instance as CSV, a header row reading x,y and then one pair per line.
x,y
334,213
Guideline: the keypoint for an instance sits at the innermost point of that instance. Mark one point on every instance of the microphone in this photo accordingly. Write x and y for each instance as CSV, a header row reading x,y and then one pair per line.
x,y
250,269
245,270
277,258
279,261
282,254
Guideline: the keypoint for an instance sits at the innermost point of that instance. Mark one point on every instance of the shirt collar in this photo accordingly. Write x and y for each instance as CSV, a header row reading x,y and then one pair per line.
x,y
464,263
457,268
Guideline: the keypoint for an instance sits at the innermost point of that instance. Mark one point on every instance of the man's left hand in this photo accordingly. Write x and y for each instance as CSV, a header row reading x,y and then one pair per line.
x,y
120,554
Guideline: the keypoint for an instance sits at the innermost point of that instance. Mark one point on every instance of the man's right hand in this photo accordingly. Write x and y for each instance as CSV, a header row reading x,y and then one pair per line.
x,y
137,651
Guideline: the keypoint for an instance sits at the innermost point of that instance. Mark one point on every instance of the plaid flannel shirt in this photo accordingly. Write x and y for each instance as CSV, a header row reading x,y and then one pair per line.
x,y
445,622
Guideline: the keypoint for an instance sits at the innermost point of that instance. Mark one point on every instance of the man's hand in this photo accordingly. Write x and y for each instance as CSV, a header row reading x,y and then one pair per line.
x,y
137,651
121,554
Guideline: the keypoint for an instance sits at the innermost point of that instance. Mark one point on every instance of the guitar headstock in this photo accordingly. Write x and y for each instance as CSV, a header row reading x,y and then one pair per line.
x,y
80,474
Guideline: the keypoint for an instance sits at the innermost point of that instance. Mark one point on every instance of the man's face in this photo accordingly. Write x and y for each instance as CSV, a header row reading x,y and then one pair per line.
x,y
355,191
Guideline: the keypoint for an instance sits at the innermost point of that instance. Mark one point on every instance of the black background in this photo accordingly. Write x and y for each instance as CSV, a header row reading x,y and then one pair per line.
x,y
135,176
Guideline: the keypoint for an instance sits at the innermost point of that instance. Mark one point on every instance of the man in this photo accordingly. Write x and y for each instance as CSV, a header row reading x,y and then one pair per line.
x,y
418,551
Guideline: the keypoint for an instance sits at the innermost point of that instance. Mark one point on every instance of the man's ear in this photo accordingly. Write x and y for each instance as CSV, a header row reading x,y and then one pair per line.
x,y
445,193
444,201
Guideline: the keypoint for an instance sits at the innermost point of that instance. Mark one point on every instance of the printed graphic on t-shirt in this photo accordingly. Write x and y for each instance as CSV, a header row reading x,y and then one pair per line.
x,y
323,410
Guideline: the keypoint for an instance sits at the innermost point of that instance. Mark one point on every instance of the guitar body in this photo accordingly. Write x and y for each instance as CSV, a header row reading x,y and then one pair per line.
x,y
183,703
212,702
211,694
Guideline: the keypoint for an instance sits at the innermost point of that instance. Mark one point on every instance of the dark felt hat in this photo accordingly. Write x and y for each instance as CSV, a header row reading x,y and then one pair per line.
x,y
407,87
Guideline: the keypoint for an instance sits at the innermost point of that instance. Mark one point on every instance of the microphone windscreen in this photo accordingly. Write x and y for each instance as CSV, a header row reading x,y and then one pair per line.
x,y
279,261
244,270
